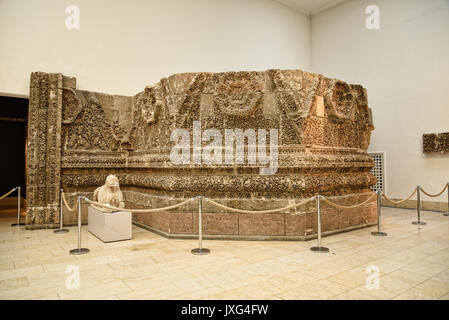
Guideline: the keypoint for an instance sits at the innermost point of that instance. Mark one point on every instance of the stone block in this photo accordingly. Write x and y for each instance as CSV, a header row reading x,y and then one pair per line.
x,y
109,227
261,224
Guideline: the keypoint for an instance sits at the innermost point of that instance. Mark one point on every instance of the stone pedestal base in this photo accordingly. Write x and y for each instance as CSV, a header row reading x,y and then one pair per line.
x,y
110,227
299,225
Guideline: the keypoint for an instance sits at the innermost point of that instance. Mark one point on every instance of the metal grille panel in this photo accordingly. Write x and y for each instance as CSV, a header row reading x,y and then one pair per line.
x,y
378,170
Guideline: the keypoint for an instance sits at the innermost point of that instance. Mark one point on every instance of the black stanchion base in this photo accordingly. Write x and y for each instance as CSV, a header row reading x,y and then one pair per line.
x,y
319,249
380,234
79,251
61,231
201,251
17,224
420,223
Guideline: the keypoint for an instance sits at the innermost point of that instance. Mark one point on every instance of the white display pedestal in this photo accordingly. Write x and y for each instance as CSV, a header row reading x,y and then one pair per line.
x,y
110,227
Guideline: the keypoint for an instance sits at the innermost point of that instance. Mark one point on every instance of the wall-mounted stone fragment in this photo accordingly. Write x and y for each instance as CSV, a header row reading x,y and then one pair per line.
x,y
436,142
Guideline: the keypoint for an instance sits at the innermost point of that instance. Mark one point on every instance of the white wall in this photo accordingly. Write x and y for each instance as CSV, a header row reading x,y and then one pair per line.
x,y
405,67
124,45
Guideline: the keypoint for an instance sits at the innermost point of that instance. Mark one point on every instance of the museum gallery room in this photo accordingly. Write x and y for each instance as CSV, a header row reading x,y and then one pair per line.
x,y
224,150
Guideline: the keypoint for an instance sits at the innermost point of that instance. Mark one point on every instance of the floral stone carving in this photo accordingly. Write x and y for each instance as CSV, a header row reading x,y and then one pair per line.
x,y
77,138
436,142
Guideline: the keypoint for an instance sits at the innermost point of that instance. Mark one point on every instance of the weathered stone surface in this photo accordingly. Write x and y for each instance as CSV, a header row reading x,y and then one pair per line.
x,y
109,194
324,130
436,142
44,148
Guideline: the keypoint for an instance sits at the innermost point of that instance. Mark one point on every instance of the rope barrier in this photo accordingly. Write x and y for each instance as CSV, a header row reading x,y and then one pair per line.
x,y
200,250
397,202
262,211
139,210
156,196
222,206
348,207
435,195
61,213
66,204
8,193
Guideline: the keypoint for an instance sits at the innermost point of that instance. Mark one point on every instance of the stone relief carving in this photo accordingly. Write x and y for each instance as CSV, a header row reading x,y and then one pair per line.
x,y
72,106
340,99
44,147
85,125
151,106
436,142
324,130
238,93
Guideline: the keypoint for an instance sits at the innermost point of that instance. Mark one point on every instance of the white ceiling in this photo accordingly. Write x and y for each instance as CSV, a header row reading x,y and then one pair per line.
x,y
311,7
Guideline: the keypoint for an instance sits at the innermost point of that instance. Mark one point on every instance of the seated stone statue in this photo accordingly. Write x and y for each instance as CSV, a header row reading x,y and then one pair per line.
x,y
109,194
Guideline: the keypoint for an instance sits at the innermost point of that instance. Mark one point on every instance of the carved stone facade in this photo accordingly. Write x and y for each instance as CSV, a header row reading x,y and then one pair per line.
x,y
78,138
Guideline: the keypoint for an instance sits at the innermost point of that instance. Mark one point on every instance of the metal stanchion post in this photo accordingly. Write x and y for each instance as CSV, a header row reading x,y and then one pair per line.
x,y
200,250
418,207
379,210
61,230
319,248
18,224
447,214
79,250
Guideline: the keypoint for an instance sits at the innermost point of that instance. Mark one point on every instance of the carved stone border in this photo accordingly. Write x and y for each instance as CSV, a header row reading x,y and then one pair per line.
x,y
44,147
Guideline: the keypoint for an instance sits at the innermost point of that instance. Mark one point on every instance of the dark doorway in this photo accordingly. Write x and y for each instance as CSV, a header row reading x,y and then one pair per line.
x,y
13,131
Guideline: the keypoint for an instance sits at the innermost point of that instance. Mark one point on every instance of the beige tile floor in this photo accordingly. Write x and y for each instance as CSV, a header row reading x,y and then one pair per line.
x,y
413,263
